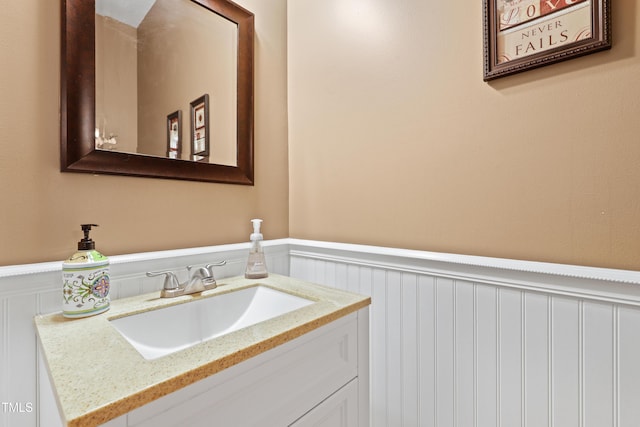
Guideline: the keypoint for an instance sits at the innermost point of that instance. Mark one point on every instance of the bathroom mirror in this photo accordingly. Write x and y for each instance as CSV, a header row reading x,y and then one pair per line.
x,y
177,134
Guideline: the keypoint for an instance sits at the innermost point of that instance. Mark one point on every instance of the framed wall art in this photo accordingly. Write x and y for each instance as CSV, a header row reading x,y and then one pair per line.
x,y
200,128
174,135
523,34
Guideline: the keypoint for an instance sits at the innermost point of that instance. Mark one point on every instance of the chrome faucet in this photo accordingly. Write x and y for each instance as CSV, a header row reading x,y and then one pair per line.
x,y
201,280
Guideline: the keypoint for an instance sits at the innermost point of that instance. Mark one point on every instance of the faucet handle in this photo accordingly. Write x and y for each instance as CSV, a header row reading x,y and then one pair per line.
x,y
207,270
214,264
170,279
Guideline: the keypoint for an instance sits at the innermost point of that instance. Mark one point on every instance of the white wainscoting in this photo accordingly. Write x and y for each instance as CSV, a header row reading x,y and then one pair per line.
x,y
455,340
469,341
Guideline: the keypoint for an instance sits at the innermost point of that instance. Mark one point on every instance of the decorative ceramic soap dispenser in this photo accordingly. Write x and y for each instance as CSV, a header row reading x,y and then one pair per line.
x,y
85,280
256,264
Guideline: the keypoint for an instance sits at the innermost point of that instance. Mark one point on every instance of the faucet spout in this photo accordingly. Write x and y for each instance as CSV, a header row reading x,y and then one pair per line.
x,y
201,280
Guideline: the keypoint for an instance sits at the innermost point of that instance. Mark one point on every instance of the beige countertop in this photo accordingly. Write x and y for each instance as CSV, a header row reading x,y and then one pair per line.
x,y
97,375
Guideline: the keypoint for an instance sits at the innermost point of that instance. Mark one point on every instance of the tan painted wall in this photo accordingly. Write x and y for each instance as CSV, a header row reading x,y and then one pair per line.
x,y
395,140
42,208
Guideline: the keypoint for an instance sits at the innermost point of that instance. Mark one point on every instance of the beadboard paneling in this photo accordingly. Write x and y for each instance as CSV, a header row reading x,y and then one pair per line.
x,y
465,344
627,355
455,340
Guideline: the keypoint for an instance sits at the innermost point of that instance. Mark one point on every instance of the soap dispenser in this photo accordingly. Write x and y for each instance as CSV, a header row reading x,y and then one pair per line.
x,y
85,280
256,264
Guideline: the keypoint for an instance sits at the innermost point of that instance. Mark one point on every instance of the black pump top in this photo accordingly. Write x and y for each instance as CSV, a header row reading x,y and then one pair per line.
x,y
86,244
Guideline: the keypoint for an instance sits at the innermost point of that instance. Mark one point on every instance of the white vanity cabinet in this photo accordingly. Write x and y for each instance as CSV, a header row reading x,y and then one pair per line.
x,y
318,379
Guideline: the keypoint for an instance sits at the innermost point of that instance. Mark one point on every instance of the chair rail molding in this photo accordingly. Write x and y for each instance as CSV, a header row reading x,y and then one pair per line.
x,y
601,284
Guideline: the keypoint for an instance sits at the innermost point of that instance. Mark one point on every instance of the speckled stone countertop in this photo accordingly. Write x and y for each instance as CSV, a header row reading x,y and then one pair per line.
x,y
97,375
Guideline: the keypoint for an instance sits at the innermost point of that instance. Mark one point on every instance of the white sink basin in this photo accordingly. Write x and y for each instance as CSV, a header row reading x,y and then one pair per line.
x,y
164,331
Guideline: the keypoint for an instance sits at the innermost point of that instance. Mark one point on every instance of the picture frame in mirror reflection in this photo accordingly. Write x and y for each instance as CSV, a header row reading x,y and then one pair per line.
x,y
200,128
174,135
523,34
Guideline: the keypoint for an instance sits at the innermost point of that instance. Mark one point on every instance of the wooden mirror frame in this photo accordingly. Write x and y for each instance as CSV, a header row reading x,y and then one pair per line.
x,y
77,105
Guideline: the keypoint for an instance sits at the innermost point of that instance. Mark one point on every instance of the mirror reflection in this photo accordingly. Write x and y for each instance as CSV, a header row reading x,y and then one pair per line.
x,y
166,80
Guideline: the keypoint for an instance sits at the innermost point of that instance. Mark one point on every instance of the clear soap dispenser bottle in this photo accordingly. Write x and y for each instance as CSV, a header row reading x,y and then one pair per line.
x,y
256,264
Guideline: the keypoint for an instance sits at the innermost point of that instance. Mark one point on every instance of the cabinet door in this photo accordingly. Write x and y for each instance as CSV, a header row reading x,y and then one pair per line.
x,y
338,410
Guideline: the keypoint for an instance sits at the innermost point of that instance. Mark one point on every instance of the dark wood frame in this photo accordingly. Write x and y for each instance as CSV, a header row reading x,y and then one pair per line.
x,y
600,40
77,104
204,102
176,115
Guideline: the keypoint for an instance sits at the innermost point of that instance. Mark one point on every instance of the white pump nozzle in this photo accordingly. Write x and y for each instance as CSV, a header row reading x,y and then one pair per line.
x,y
256,235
